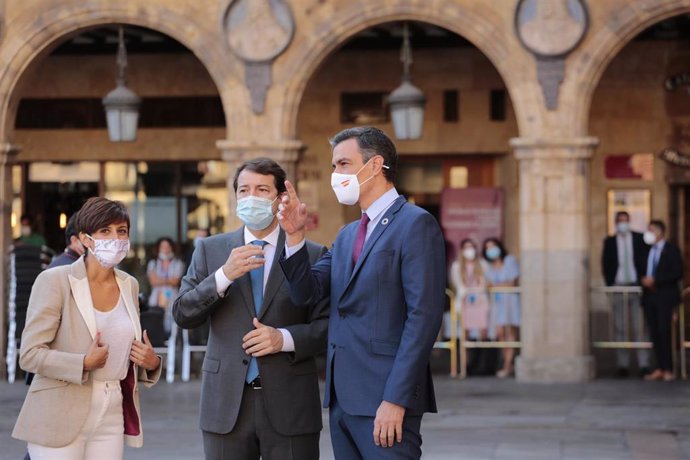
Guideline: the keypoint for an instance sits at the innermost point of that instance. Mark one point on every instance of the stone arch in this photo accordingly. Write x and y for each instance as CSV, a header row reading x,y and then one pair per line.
x,y
623,25
479,29
45,31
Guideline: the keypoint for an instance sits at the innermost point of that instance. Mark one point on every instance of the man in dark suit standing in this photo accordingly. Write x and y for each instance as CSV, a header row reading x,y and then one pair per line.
x,y
624,263
385,276
661,296
260,392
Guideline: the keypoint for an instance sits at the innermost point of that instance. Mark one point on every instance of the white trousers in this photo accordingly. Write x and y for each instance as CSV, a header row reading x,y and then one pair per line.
x,y
102,436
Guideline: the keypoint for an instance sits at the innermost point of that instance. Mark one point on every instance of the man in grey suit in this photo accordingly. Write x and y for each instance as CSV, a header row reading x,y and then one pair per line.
x,y
260,392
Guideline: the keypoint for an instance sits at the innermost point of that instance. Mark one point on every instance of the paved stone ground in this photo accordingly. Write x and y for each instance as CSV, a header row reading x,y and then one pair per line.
x,y
479,418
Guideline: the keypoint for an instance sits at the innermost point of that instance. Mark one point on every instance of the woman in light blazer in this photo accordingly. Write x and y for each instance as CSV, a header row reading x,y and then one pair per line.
x,y
83,341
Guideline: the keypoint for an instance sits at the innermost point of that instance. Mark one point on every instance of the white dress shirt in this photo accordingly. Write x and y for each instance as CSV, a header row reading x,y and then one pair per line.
x,y
626,273
223,283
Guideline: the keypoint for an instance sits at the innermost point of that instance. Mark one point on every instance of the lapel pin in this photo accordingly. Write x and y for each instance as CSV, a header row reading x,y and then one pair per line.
x,y
384,221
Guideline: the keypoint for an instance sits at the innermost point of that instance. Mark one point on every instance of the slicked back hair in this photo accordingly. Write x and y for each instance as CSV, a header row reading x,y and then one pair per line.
x,y
265,167
371,142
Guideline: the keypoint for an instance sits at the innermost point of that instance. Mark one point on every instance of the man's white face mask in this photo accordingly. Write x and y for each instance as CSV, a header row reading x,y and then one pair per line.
x,y
347,186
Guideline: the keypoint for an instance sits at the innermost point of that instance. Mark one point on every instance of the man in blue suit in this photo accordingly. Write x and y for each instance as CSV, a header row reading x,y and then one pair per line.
x,y
385,276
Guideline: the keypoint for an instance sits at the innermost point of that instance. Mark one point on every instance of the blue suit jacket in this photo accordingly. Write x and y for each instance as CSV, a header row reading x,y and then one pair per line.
x,y
385,311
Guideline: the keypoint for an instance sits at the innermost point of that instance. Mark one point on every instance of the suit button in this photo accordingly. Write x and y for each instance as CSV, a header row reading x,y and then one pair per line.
x,y
342,315
245,362
332,345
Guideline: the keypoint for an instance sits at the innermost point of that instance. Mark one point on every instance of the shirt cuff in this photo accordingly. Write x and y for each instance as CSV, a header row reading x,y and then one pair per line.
x,y
292,250
288,342
222,282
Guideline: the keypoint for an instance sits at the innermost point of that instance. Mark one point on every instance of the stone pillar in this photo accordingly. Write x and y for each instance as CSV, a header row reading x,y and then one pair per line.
x,y
8,153
286,153
554,259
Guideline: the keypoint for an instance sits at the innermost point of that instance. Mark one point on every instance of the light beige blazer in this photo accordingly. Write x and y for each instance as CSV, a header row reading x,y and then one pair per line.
x,y
60,326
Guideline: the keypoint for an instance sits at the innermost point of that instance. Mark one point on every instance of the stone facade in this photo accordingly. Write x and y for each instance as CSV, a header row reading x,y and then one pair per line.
x,y
553,176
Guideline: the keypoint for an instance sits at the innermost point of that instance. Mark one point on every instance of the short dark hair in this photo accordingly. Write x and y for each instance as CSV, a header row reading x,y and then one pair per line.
x,y
26,217
160,240
265,167
71,229
498,243
371,142
658,224
620,214
99,212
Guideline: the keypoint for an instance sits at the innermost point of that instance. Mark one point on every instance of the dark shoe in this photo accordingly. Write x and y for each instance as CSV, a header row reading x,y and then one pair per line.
x,y
622,373
644,371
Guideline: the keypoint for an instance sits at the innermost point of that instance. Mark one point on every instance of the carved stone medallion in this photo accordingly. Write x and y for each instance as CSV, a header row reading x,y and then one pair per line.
x,y
258,30
551,27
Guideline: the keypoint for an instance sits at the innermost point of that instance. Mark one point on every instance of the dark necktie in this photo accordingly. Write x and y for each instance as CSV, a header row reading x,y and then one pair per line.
x,y
359,240
257,277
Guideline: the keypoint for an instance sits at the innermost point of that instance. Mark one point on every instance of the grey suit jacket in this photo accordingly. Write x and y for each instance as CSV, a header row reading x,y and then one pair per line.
x,y
289,380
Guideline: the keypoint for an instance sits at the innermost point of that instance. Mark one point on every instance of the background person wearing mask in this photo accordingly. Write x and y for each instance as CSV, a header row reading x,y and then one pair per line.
x,y
28,234
260,389
661,296
73,247
503,271
624,263
468,281
83,341
164,273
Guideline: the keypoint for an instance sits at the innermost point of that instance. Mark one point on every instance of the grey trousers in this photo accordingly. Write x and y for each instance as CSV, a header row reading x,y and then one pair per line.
x,y
629,326
253,436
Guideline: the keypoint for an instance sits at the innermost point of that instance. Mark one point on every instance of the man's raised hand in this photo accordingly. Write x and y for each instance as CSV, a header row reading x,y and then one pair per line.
x,y
292,215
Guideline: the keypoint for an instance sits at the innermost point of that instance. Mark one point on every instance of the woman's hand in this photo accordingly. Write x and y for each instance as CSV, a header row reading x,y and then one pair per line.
x,y
97,354
142,354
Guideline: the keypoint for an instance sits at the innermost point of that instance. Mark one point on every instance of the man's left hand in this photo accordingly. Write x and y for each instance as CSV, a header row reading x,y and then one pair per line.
x,y
388,424
262,341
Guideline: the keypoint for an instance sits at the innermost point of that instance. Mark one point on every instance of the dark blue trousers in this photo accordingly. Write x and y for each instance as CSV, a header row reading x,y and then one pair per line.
x,y
352,437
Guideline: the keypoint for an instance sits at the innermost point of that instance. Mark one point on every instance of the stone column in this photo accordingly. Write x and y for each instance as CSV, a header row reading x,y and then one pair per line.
x,y
8,153
554,259
286,153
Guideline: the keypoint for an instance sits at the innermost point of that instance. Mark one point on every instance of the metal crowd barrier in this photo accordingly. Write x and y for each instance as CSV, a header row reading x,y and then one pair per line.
x,y
466,344
452,343
684,342
678,331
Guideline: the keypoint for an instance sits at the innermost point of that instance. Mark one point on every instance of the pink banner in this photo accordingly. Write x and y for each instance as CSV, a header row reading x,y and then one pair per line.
x,y
474,212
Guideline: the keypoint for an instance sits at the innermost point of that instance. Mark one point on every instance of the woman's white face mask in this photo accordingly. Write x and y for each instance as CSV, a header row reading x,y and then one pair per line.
x,y
469,253
109,252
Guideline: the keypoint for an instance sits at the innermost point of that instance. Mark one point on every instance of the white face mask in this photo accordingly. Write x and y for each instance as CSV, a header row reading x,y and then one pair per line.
x,y
165,256
649,237
623,227
26,230
346,186
109,252
469,253
255,212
